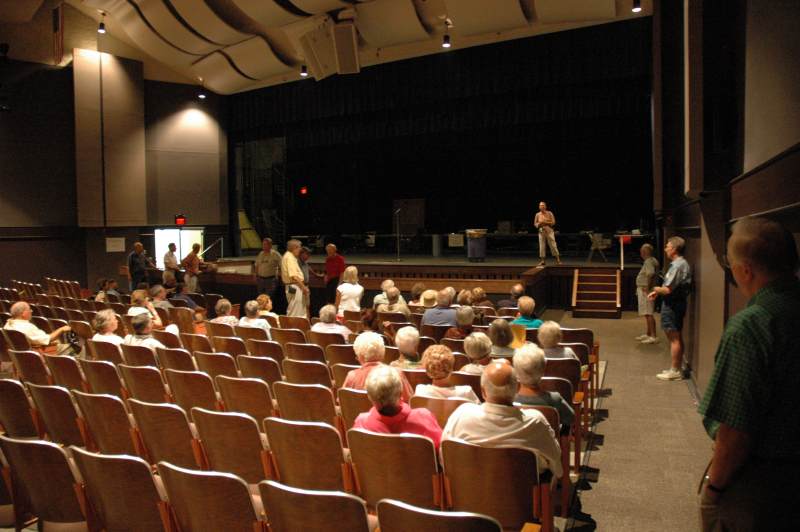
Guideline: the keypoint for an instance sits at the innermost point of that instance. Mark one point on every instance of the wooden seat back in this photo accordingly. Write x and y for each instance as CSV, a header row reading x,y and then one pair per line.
x,y
102,377
16,340
416,376
232,345
340,372
106,421
440,408
196,342
458,378
15,410
175,358
231,443
218,329
566,368
306,372
434,331
144,383
340,354
107,351
298,509
30,367
167,338
264,368
454,344
248,396
65,372
324,339
352,403
164,431
261,348
294,322
82,329
582,351
216,364
183,318
397,516
138,355
284,336
306,352
305,402
191,388
57,413
251,333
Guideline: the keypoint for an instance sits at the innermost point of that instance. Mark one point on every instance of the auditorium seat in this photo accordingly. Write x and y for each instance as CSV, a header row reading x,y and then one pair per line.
x,y
106,423
340,354
424,343
340,372
56,413
507,311
138,355
324,339
106,351
191,388
183,318
306,372
436,332
163,315
196,342
551,415
65,372
251,333
294,322
458,378
416,376
283,336
232,345
454,344
163,432
309,352
396,466
144,383
440,408
30,367
392,317
416,319
352,315
246,395
352,403
175,358
15,410
167,338
397,516
305,402
16,340
214,364
102,377
290,509
120,490
218,329
565,389
265,368
260,348
82,329
390,354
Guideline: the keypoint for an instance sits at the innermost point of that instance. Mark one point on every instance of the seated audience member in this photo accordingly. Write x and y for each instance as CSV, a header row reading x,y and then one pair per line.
x,y
517,291
389,413
407,342
428,299
251,317
328,324
479,298
369,320
464,298
182,294
369,350
549,336
159,296
394,304
529,361
498,423
112,288
223,309
452,292
441,314
526,316
141,305
438,362
102,286
349,292
105,326
169,281
382,298
265,306
501,336
20,320
478,348
416,294
464,318
142,329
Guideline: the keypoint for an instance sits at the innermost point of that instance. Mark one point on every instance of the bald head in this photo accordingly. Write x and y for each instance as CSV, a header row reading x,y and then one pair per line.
x,y
499,382
19,310
444,298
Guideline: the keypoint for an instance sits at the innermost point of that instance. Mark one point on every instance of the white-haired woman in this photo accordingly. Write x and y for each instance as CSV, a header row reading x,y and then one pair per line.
x,y
223,309
105,325
348,294
327,323
478,347
407,342
370,350
550,336
390,414
252,318
438,362
529,361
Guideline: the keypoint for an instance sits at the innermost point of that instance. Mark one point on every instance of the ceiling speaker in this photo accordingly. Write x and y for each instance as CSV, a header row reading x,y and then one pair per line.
x,y
345,44
319,52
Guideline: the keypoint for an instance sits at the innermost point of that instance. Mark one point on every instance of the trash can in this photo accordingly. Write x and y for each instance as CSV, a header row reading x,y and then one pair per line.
x,y
436,244
476,245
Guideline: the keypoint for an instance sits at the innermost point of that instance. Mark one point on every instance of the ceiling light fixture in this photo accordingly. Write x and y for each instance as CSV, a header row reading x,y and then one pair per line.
x,y
637,6
102,27
446,41
304,71
202,96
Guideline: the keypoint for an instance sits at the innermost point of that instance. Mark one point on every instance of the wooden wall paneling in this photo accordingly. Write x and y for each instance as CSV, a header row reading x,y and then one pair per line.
x,y
88,146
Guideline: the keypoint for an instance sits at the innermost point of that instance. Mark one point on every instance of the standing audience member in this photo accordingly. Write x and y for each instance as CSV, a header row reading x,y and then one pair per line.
x,y
171,266
20,320
479,298
529,361
267,266
137,266
382,298
296,290
549,336
349,292
749,408
142,329
416,294
501,336
438,362
498,423
407,342
394,304
390,414
334,268
251,318
645,281
105,326
464,318
327,323
223,310
674,293
191,263
442,313
517,291
478,348
265,306
526,317
369,349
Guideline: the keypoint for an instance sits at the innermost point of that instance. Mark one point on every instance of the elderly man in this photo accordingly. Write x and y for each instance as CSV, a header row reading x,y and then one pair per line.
x,y
749,408
525,316
21,321
159,296
544,222
292,276
645,281
137,266
334,268
529,361
393,303
383,298
517,291
328,324
142,329
442,313
369,350
267,266
675,292
171,266
498,423
191,263
407,342
389,414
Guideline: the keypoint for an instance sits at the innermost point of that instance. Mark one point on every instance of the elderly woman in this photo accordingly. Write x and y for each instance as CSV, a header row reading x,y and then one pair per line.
x,y
223,309
464,298
141,305
416,294
529,361
501,336
349,292
265,306
393,303
389,414
407,342
438,362
327,323
142,329
251,317
464,318
526,317
479,298
369,350
549,337
105,324
478,348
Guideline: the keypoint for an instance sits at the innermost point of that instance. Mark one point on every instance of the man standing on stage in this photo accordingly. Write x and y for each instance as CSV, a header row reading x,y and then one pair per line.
x,y
268,266
292,276
334,267
544,222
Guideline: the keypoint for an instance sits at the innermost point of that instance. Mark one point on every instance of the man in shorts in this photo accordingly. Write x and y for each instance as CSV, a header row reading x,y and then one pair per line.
x,y
645,281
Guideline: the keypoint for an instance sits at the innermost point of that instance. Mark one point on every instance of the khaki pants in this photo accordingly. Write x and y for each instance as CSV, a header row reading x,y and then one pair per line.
x,y
297,303
191,282
547,234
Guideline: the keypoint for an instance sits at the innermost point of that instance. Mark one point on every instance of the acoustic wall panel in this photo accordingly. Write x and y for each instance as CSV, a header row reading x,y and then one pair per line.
x,y
219,75
267,12
387,22
205,22
474,17
88,156
169,27
255,58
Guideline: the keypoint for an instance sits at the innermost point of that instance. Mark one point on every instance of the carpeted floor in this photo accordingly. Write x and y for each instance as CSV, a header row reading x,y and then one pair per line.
x,y
650,449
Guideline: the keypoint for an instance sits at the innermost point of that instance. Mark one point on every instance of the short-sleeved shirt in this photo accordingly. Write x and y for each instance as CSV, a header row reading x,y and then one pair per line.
x,y
646,276
755,378
268,264
334,266
170,261
137,263
440,316
36,336
192,263
290,268
530,322
349,297
678,279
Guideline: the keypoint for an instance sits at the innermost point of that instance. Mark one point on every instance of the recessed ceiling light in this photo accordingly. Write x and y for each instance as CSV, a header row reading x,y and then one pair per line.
x,y
637,6
446,41
304,71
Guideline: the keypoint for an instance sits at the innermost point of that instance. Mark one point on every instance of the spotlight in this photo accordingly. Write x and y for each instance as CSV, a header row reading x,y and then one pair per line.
x,y
637,6
304,71
101,28
446,41
202,96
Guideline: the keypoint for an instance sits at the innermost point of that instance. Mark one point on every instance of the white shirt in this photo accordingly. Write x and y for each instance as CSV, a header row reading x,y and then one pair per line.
x,y
559,352
36,336
135,311
259,323
170,261
494,425
472,369
452,392
332,328
147,341
110,338
350,297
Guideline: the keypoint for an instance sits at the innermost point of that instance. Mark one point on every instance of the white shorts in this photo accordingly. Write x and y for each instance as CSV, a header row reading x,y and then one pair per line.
x,y
646,307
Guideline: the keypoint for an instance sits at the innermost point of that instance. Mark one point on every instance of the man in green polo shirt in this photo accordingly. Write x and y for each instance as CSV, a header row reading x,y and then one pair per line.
x,y
750,408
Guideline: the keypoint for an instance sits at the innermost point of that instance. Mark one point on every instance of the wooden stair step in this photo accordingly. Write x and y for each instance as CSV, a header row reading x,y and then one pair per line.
x,y
599,304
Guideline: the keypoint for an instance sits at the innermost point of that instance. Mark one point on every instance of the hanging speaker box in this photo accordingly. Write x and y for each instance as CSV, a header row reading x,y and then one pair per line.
x,y
345,42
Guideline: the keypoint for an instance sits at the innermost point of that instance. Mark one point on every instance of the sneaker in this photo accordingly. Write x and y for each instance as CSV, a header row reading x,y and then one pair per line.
x,y
670,375
540,264
650,340
641,337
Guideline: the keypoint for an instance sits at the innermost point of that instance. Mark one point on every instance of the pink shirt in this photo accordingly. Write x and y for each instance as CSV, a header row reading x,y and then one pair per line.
x,y
416,421
357,379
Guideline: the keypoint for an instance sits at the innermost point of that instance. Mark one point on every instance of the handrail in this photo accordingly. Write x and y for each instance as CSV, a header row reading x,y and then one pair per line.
x,y
619,282
575,289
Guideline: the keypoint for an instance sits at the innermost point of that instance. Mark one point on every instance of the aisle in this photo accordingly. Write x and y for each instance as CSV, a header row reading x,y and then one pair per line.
x,y
652,447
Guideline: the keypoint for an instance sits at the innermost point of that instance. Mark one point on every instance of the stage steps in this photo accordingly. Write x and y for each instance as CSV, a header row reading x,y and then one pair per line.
x,y
595,293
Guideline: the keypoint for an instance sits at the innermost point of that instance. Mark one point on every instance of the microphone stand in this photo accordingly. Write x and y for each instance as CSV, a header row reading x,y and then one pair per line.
x,y
397,227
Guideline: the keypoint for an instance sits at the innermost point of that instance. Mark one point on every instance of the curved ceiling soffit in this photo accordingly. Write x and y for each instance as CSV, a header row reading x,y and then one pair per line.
x,y
316,7
203,20
256,59
561,11
220,74
475,17
163,21
388,22
267,12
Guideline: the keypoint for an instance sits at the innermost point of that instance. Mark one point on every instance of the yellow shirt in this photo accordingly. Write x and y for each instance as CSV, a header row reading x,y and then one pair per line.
x,y
290,268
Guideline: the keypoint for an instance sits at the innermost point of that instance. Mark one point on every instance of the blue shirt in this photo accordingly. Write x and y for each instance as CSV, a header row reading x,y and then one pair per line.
x,y
189,300
679,280
531,322
439,316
